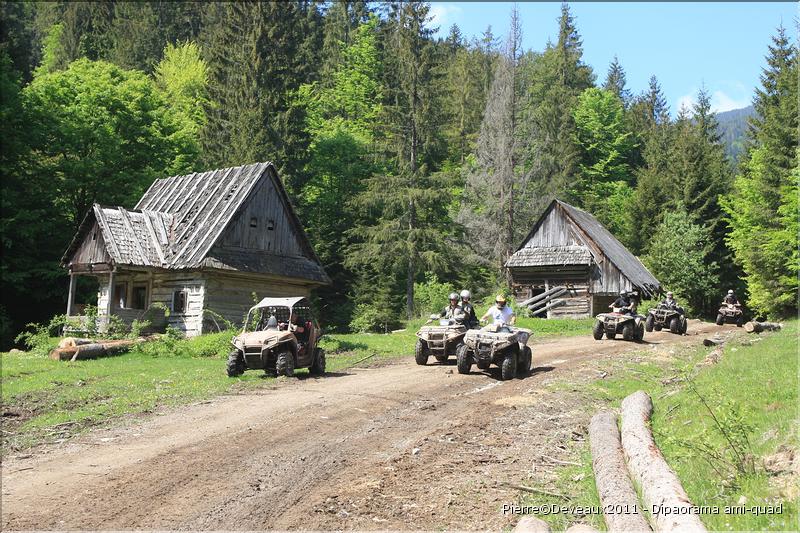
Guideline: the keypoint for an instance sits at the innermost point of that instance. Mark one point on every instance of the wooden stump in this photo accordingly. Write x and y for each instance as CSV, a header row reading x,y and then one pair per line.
x,y
614,486
662,491
758,327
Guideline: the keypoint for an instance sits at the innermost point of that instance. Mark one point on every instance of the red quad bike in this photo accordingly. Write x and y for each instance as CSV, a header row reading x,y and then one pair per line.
x,y
730,313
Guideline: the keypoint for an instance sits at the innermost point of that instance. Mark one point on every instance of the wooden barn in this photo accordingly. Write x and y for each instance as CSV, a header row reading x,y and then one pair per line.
x,y
210,241
568,247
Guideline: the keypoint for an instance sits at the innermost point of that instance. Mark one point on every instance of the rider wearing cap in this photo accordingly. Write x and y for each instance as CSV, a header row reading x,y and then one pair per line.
x,y
501,314
453,311
624,303
469,309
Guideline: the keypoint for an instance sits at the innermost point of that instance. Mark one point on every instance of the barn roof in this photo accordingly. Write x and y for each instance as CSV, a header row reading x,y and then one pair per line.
x,y
179,219
627,263
550,256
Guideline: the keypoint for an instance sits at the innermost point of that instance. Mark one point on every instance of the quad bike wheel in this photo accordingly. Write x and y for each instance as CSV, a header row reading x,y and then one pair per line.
x,y
684,326
739,321
318,366
463,359
235,366
648,323
628,331
720,319
421,353
639,336
610,334
508,369
284,364
524,363
597,330
657,327
675,325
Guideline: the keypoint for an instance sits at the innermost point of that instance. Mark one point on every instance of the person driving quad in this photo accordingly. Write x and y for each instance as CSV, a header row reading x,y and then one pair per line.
x,y
501,314
469,309
453,311
625,303
730,298
671,303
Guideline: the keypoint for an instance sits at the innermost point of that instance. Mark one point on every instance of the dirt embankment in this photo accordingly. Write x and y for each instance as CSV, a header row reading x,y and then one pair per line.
x,y
393,447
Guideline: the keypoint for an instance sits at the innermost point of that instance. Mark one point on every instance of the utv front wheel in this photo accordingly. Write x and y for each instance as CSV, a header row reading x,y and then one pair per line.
x,y
524,363
508,369
235,366
629,331
463,359
675,325
284,364
720,319
421,353
648,323
597,330
318,366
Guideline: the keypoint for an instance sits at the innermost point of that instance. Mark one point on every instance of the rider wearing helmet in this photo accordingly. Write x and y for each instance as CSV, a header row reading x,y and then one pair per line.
x,y
624,303
501,314
730,298
453,311
669,302
469,309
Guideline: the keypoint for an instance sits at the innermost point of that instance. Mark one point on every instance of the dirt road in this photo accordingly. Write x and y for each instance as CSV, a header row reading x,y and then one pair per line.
x,y
392,447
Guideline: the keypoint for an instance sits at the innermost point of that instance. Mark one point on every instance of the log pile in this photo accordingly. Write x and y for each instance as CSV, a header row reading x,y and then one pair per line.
x,y
71,349
758,327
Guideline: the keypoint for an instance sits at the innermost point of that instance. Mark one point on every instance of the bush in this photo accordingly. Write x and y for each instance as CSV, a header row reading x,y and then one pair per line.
x,y
39,338
431,296
374,318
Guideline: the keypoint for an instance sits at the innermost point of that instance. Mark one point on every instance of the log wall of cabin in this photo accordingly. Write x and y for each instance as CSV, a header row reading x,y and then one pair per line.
x,y
264,223
231,296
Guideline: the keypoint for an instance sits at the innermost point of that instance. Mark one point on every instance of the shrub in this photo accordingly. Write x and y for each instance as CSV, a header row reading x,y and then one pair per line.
x,y
38,338
431,295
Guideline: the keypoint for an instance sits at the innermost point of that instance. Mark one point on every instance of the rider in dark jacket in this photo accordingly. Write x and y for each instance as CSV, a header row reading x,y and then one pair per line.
x,y
730,298
624,303
469,310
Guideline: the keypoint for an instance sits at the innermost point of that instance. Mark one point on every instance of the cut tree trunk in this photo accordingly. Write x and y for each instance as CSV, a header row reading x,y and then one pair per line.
x,y
531,524
662,492
614,486
758,327
70,342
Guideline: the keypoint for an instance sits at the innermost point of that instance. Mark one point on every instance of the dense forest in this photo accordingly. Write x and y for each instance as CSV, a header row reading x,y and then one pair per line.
x,y
416,163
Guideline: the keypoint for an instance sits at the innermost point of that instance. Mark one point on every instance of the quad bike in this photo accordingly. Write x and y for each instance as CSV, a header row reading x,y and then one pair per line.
x,y
269,339
631,327
730,313
666,317
505,346
439,340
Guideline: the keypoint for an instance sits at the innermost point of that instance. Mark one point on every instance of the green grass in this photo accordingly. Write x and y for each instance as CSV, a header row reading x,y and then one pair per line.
x,y
50,400
752,393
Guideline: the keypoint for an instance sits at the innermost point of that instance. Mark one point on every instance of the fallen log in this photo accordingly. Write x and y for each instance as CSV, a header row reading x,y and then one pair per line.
x,y
92,351
713,342
71,342
758,327
89,351
551,293
551,305
614,486
662,492
531,524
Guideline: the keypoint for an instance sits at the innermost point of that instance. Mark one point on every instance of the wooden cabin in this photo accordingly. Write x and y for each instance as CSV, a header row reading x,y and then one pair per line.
x,y
205,245
568,247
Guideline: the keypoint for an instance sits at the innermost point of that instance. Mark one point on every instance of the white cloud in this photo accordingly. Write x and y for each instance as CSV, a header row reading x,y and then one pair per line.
x,y
443,15
720,101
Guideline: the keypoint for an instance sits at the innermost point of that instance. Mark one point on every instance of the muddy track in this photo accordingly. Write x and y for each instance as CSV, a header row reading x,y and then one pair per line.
x,y
392,447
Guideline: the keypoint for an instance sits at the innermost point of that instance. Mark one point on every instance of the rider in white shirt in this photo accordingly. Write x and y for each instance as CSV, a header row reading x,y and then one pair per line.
x,y
501,314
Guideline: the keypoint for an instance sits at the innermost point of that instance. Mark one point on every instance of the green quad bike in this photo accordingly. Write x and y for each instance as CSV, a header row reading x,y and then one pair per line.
x,y
502,345
439,340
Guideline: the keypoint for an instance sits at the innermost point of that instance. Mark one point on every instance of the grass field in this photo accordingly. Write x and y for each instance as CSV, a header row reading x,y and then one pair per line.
x,y
46,400
718,426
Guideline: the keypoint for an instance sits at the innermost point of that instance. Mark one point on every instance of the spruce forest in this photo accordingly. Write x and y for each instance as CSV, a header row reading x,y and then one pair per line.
x,y
417,163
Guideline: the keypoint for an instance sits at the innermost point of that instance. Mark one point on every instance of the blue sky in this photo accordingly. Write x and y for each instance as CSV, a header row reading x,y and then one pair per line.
x,y
686,45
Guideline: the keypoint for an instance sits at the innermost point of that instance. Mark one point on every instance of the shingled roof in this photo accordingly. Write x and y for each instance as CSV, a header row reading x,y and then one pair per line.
x,y
179,219
550,256
627,263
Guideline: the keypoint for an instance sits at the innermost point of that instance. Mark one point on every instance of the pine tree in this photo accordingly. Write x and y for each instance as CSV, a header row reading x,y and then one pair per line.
x,y
616,82
763,207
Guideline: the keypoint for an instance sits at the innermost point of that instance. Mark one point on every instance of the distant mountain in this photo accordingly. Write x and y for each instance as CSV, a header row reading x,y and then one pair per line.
x,y
733,128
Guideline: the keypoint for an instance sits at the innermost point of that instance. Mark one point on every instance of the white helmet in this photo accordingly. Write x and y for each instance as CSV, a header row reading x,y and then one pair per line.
x,y
465,295
453,296
730,291
669,294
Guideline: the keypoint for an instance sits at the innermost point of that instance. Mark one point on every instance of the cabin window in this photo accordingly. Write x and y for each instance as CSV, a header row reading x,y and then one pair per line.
x,y
139,297
120,295
253,222
270,225
179,301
